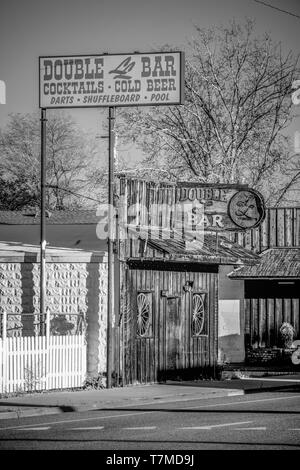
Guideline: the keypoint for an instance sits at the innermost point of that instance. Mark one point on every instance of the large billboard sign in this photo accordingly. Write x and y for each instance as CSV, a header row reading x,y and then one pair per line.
x,y
111,80
222,206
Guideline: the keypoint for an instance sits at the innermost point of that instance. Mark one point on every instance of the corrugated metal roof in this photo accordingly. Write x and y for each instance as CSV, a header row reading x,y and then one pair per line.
x,y
274,263
212,248
53,218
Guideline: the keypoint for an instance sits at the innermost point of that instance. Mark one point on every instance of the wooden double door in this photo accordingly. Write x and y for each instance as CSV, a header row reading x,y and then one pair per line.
x,y
169,325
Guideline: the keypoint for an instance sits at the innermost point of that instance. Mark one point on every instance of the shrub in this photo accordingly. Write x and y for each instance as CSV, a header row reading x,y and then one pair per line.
x,y
95,382
287,333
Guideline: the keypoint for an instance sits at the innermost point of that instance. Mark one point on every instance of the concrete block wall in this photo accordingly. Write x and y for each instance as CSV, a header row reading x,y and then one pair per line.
x,y
11,294
96,299
71,288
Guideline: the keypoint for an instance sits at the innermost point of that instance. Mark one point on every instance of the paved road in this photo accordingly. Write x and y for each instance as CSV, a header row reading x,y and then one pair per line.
x,y
256,421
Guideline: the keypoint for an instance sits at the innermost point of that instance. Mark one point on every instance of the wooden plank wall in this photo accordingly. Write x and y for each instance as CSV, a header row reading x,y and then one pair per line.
x,y
144,359
152,206
281,227
264,318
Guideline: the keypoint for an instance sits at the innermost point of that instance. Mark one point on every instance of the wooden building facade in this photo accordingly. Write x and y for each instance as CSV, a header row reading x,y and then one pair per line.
x,y
272,296
280,228
170,331
167,327
272,288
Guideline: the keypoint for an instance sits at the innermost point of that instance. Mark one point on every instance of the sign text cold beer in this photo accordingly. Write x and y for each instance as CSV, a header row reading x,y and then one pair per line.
x,y
111,80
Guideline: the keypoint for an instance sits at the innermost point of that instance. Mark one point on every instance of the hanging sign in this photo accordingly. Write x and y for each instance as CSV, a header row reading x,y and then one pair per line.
x,y
111,80
222,207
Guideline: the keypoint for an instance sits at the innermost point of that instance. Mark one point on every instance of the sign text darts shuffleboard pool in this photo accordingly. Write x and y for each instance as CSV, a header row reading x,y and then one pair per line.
x,y
112,80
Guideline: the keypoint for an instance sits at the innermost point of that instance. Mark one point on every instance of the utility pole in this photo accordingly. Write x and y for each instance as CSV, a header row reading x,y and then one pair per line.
x,y
110,259
43,224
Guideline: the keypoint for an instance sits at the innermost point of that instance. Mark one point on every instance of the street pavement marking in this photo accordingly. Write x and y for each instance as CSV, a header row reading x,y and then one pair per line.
x,y
261,428
86,429
205,406
41,428
240,402
66,421
211,426
140,428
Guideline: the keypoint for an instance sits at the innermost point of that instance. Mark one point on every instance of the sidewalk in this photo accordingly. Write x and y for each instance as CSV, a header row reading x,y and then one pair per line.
x,y
55,402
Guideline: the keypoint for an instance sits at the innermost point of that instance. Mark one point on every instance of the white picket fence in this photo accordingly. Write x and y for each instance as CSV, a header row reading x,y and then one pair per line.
x,y
42,362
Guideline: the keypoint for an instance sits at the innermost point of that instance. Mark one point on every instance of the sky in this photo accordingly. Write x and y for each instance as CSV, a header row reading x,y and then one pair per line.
x,y
33,28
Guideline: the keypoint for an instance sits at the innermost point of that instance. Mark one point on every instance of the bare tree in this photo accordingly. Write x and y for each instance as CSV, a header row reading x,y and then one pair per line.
x,y
232,127
290,185
69,156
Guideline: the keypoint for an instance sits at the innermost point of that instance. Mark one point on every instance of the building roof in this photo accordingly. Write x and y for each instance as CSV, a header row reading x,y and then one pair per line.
x,y
211,249
56,217
274,263
24,253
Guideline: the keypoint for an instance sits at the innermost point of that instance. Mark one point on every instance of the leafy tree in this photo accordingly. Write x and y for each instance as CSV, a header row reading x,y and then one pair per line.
x,y
69,157
15,194
232,126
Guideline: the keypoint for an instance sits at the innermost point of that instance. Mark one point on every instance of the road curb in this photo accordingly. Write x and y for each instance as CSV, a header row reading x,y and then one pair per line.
x,y
21,413
125,403
16,414
292,387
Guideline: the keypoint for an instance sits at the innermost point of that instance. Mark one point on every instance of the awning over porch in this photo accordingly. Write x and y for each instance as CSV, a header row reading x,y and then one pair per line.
x,y
279,262
212,249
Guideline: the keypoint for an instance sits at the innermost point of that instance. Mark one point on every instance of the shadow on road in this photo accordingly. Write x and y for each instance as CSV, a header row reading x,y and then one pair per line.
x,y
158,441
63,408
247,386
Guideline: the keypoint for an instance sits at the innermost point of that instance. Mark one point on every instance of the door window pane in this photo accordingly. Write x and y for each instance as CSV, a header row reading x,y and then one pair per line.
x,y
199,314
144,314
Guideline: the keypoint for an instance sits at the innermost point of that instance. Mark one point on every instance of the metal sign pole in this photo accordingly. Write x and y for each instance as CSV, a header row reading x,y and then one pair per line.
x,y
43,224
110,284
